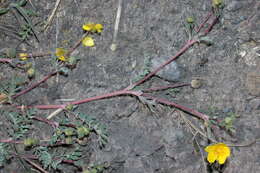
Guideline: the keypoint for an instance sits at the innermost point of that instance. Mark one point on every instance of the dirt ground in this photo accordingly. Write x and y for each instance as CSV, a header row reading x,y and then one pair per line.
x,y
143,139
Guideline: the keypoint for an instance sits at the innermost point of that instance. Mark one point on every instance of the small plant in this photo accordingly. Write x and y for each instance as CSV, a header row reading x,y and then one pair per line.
x,y
228,122
145,69
28,27
94,125
174,91
94,169
8,88
20,123
4,154
47,159
26,31
224,120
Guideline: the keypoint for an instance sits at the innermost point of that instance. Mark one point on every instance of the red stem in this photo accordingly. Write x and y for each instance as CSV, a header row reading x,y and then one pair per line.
x,y
165,87
5,60
34,85
204,22
183,108
108,95
51,123
125,92
211,25
112,94
10,141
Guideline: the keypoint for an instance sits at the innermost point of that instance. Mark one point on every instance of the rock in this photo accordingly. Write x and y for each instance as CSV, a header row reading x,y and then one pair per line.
x,y
234,6
171,72
196,83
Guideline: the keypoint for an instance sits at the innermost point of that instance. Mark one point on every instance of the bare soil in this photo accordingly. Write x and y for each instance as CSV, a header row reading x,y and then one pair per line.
x,y
141,139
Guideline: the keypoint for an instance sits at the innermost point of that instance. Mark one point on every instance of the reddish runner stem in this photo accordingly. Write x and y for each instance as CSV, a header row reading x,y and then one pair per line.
x,y
166,87
183,108
34,85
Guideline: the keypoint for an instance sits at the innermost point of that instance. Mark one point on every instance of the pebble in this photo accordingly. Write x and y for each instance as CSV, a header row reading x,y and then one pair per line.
x,y
171,72
196,83
234,6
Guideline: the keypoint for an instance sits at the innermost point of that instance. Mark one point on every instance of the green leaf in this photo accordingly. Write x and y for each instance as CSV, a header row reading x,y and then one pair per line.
x,y
22,2
74,155
64,70
96,126
55,164
44,157
3,154
25,16
228,120
3,10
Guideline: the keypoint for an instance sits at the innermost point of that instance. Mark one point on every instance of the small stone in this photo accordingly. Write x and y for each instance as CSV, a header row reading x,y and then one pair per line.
x,y
242,53
113,47
234,6
196,83
171,72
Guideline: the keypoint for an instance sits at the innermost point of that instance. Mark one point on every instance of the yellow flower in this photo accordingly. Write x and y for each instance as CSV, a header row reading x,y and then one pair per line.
x,y
219,152
88,26
31,72
98,28
23,56
61,54
189,20
217,3
88,41
92,27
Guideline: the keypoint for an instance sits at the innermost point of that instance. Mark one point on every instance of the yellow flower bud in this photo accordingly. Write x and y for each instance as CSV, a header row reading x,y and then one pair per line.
x,y
189,20
23,56
69,140
88,26
82,131
31,72
88,41
98,28
217,3
69,132
29,142
61,54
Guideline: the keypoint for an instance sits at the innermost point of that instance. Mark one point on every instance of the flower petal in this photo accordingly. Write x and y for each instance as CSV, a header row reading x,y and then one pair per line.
x,y
99,28
88,26
210,148
23,56
227,151
60,52
211,157
88,41
62,58
221,159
